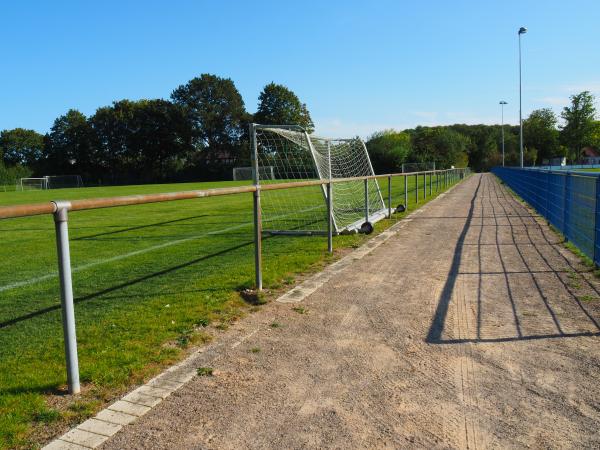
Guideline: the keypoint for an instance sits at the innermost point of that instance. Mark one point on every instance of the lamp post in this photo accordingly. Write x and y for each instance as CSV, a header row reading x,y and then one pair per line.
x,y
522,30
502,103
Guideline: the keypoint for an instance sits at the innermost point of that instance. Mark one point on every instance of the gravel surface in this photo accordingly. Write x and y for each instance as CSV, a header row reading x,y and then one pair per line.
x,y
472,328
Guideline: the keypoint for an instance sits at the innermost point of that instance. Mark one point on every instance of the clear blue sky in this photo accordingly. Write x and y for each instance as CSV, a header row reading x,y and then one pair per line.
x,y
360,66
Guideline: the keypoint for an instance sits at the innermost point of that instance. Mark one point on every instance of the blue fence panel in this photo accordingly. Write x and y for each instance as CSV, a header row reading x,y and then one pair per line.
x,y
570,201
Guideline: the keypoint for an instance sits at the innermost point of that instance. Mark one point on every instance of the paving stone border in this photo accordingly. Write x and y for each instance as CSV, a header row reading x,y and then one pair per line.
x,y
95,431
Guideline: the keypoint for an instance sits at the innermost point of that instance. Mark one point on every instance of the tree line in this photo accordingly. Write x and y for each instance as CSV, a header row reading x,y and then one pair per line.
x,y
201,132
480,146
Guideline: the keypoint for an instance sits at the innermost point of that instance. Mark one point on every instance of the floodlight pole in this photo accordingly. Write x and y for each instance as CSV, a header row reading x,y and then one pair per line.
x,y
257,212
66,295
502,103
522,30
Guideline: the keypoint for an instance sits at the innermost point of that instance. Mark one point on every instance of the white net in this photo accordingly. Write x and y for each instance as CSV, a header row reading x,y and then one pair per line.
x,y
296,156
63,181
32,184
418,167
247,173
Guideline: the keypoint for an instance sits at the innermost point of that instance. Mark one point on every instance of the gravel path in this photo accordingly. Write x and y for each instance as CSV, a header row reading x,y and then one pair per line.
x,y
471,328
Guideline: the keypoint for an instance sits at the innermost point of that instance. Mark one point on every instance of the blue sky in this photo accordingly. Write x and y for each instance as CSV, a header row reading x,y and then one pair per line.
x,y
360,66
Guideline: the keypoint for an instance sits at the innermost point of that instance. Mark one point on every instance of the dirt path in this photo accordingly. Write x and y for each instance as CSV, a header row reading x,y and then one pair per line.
x,y
470,328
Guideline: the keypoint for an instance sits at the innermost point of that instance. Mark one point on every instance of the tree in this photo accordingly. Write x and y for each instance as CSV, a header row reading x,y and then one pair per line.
x,y
540,134
216,110
577,131
443,145
70,145
278,105
143,140
21,146
388,149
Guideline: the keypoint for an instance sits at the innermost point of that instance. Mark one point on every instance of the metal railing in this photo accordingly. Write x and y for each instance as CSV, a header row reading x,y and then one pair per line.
x,y
60,209
570,201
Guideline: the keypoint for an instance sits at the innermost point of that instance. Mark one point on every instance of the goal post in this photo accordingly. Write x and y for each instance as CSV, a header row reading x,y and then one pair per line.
x,y
32,184
295,155
50,182
247,173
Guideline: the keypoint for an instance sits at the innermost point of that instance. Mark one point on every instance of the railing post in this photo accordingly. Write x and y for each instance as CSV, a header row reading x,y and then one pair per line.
x,y
389,196
566,192
425,185
416,188
405,192
329,219
257,212
430,183
366,199
66,295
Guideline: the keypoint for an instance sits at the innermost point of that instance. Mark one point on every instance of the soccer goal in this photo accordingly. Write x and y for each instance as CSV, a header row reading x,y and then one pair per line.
x,y
247,173
32,184
418,167
294,155
50,182
64,181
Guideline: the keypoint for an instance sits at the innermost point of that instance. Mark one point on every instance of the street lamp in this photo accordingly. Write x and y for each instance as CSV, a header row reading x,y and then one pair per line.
x,y
502,103
522,30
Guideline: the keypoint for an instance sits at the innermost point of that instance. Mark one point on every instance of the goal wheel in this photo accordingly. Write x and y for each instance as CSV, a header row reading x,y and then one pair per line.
x,y
366,228
400,208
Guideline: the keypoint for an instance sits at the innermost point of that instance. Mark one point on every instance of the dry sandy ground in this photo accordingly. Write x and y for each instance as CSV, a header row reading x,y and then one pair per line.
x,y
471,328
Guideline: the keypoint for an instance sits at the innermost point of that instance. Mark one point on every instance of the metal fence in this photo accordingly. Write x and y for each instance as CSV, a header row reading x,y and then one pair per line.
x,y
60,209
570,201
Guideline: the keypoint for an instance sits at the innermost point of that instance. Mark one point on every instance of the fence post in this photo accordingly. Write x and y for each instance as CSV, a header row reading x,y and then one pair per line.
x,y
389,196
597,223
405,192
329,219
366,199
416,188
257,212
566,192
425,185
66,295
430,183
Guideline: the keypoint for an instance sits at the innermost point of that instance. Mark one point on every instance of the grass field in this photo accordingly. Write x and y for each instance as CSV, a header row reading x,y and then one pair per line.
x,y
149,281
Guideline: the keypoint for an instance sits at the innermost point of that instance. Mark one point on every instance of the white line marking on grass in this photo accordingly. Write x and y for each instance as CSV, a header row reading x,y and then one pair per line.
x,y
89,265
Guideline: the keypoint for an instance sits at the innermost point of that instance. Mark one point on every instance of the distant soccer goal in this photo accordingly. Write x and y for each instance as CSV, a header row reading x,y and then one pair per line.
x,y
294,155
32,184
64,181
50,182
418,167
247,173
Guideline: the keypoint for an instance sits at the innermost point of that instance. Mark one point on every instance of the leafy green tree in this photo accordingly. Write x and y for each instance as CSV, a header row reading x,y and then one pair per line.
x,y
540,134
216,110
388,149
70,145
443,145
21,146
278,105
577,132
145,140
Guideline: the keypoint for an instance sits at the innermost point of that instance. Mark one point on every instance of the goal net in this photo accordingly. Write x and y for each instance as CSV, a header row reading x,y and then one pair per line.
x,y
64,181
50,182
32,184
418,167
247,173
294,155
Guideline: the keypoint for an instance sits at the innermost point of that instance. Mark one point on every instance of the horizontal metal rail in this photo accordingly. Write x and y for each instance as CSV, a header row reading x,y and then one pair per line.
x,y
60,209
35,209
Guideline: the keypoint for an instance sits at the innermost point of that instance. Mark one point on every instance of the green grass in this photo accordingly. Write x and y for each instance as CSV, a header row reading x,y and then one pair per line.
x,y
149,281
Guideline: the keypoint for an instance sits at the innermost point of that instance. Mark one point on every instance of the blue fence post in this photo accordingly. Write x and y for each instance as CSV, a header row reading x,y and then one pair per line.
x,y
597,222
566,192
